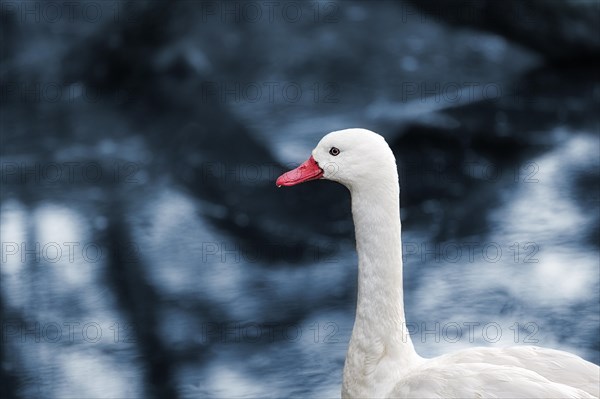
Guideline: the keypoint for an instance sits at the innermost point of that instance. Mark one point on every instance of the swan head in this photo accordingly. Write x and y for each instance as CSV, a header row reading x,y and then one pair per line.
x,y
355,158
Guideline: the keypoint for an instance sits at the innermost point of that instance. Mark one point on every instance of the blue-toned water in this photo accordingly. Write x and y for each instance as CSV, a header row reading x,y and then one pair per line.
x,y
283,329
146,251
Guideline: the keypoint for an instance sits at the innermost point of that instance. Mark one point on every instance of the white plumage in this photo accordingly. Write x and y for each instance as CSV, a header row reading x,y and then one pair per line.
x,y
381,359
514,372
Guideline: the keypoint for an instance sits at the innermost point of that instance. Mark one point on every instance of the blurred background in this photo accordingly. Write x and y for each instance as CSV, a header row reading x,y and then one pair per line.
x,y
146,251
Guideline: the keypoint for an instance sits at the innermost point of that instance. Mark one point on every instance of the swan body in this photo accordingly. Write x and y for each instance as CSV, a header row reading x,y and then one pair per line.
x,y
381,361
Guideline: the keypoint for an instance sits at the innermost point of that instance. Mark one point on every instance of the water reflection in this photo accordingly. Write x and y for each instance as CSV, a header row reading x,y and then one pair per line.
x,y
532,268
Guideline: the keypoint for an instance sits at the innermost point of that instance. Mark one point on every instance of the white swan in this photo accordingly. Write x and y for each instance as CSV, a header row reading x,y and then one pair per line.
x,y
381,360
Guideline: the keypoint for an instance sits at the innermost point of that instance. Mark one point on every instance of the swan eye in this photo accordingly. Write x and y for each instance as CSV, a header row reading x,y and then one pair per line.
x,y
334,151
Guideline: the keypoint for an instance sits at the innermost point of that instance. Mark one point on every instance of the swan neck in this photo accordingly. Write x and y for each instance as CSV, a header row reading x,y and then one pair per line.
x,y
380,303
